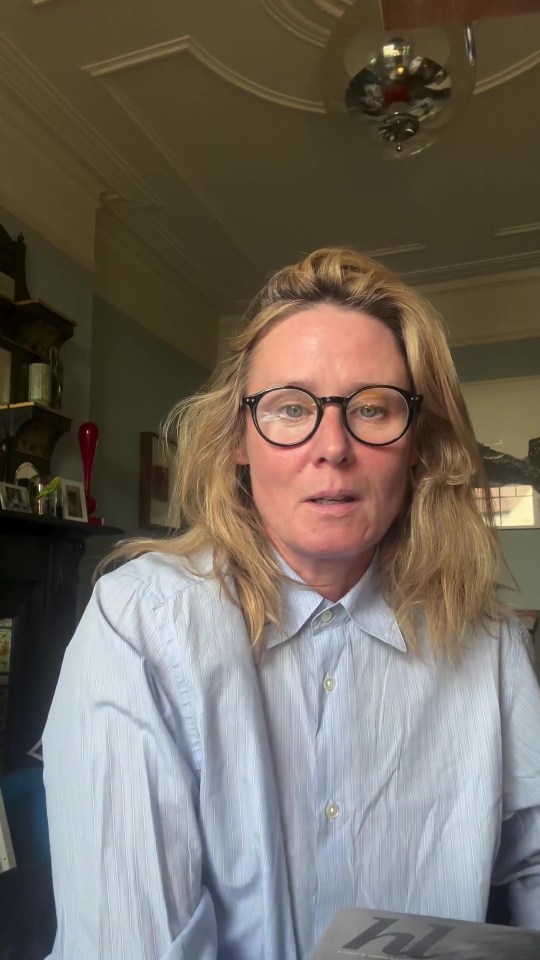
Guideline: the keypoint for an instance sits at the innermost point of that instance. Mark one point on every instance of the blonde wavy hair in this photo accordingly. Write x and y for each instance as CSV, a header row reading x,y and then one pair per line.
x,y
440,560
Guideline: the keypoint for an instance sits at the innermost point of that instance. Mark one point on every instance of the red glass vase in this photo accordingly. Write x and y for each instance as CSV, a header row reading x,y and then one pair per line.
x,y
88,438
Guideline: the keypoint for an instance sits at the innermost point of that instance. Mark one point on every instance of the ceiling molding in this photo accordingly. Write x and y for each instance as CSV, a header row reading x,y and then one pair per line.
x,y
114,226
47,196
37,136
396,251
530,333
333,8
504,76
310,31
439,277
295,22
89,158
187,44
31,88
136,280
518,229
150,232
502,278
144,125
167,246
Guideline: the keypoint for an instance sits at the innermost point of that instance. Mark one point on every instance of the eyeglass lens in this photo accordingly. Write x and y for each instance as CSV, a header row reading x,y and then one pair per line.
x,y
375,415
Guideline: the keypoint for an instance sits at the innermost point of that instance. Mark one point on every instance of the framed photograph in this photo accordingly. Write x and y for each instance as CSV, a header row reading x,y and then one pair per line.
x,y
14,497
5,376
73,500
156,481
6,631
505,415
7,854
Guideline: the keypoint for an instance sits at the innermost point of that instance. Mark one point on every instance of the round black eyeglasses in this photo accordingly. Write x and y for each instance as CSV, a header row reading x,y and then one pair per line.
x,y
377,415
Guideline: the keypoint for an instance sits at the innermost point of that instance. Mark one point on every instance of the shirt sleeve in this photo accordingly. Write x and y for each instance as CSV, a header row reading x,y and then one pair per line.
x,y
122,789
518,861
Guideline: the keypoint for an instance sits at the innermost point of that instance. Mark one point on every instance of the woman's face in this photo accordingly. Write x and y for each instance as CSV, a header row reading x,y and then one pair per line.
x,y
327,503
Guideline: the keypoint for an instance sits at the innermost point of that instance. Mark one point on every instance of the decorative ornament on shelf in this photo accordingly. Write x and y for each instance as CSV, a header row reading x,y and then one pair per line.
x,y
88,438
57,378
397,91
44,495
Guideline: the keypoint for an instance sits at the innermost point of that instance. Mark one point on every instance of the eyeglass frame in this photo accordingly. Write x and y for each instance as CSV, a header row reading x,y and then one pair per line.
x,y
412,399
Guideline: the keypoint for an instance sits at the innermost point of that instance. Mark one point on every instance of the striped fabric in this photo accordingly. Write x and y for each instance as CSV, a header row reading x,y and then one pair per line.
x,y
202,806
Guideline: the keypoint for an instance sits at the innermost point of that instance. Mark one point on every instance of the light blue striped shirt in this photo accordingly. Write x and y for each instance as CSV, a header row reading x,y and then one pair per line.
x,y
202,806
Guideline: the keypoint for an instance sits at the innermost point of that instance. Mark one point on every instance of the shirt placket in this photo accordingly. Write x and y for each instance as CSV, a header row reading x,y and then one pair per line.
x,y
329,629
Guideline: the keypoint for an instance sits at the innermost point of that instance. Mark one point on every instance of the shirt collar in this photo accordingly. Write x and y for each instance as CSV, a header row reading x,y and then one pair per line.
x,y
364,603
369,610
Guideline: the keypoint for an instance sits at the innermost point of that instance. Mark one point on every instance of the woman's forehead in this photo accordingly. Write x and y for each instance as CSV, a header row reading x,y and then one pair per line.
x,y
327,338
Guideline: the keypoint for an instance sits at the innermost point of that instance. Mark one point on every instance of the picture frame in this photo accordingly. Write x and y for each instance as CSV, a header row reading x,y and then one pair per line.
x,y
6,635
13,496
155,481
7,854
73,500
5,375
505,415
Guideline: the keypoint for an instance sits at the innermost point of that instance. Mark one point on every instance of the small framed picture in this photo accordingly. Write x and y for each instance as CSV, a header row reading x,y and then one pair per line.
x,y
14,497
156,481
73,500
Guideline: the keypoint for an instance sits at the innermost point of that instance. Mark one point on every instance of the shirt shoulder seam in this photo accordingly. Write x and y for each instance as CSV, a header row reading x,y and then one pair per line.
x,y
159,599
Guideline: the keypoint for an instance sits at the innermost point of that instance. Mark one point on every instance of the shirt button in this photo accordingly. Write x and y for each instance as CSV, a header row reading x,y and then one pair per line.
x,y
327,616
332,810
329,684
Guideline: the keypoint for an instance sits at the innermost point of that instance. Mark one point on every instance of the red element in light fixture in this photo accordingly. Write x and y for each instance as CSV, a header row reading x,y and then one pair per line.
x,y
397,93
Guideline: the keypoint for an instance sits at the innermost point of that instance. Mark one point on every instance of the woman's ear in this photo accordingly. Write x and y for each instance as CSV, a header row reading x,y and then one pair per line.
x,y
414,451
414,456
242,458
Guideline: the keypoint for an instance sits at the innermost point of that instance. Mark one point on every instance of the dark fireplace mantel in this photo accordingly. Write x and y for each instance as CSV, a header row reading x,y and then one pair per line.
x,y
39,576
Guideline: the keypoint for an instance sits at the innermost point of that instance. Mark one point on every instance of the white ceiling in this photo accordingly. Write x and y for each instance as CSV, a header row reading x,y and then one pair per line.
x,y
203,121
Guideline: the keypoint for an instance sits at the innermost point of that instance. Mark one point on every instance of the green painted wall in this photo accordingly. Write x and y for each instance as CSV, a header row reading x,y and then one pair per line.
x,y
136,379
496,361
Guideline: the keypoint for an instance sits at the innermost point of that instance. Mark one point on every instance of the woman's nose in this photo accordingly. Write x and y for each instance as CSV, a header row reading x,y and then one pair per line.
x,y
332,441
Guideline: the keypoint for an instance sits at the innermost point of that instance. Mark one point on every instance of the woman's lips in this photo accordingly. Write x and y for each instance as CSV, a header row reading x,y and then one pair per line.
x,y
333,506
345,499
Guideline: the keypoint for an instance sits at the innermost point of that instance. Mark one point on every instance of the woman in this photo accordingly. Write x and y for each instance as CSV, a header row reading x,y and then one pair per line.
x,y
311,699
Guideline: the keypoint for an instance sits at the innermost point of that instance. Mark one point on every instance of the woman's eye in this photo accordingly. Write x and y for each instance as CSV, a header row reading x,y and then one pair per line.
x,y
368,411
293,411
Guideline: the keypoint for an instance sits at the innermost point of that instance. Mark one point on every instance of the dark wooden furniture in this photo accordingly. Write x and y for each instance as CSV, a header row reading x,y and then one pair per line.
x,y
28,914
39,576
28,330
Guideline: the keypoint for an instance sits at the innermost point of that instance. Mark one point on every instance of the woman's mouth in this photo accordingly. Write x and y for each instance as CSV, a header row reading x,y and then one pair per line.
x,y
344,499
